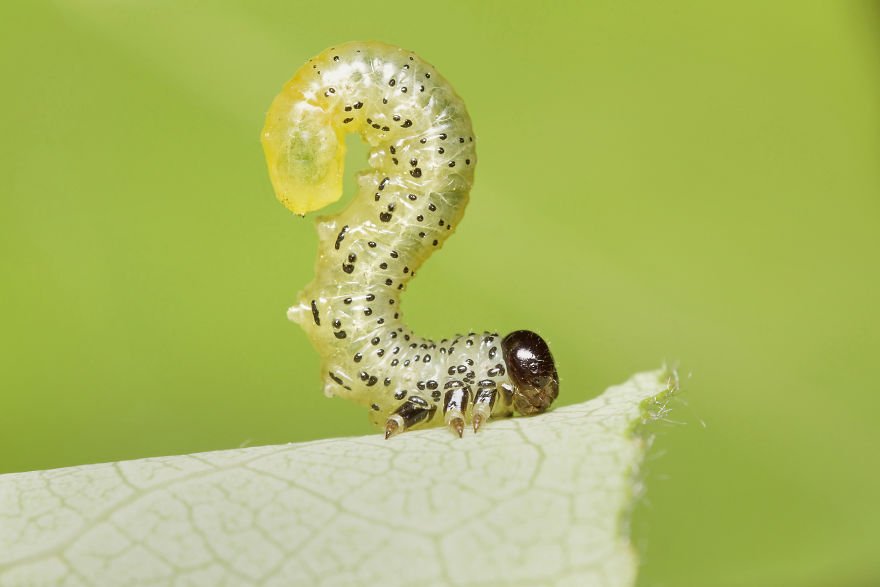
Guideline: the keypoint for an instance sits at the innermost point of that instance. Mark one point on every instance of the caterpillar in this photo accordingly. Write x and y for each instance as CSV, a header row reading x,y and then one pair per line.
x,y
409,201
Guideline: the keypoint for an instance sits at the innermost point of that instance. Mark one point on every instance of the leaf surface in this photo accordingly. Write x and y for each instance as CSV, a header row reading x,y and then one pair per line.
x,y
539,500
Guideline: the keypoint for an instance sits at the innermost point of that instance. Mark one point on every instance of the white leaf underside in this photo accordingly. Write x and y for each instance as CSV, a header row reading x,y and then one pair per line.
x,y
539,500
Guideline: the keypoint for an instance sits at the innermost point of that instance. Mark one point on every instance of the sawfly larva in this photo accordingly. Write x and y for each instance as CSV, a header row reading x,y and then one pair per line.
x,y
409,200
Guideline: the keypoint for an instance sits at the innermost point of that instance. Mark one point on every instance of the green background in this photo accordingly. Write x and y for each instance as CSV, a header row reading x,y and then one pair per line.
x,y
680,181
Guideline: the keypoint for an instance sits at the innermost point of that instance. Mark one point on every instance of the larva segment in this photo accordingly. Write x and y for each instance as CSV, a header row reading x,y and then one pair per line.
x,y
409,201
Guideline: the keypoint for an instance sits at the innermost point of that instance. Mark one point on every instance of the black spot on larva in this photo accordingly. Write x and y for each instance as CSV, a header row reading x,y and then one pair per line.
x,y
421,385
413,162
368,311
369,121
375,407
436,242
400,394
384,100
385,216
371,244
426,359
383,183
441,150
391,302
315,313
452,163
391,207
391,149
380,352
340,335
357,357
406,337
375,125
381,321
393,254
431,384
406,123
400,286
396,118
423,141
406,363
346,301
336,58
358,105
492,352
377,197
372,381
460,368
388,281
352,257
403,89
375,340
334,377
432,207
385,129
394,362
387,381
364,375
383,265
406,269
406,65
340,236
391,82
337,323
348,267
420,217
394,160
347,120
421,88
467,161
396,315
370,297
422,235
428,75
413,197
470,361
436,395
442,136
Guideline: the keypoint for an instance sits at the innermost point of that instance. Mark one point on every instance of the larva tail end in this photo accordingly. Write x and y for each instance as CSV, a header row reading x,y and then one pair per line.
x,y
305,154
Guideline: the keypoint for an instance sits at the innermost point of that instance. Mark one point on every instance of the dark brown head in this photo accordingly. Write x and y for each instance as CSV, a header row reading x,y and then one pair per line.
x,y
532,370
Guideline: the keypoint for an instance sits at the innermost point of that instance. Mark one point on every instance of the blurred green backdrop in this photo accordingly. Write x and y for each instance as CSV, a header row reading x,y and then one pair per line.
x,y
686,181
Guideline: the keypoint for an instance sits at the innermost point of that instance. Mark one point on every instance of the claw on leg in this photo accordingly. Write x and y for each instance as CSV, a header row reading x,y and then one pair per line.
x,y
457,424
392,426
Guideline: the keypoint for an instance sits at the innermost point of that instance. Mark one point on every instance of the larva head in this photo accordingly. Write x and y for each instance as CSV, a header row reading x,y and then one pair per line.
x,y
532,370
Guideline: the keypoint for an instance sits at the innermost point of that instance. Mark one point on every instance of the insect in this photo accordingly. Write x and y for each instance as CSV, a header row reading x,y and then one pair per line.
x,y
409,200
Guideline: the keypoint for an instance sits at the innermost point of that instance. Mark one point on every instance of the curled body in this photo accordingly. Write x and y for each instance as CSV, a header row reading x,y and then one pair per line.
x,y
409,201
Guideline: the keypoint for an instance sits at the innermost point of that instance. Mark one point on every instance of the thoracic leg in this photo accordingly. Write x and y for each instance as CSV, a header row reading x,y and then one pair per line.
x,y
455,404
484,402
411,412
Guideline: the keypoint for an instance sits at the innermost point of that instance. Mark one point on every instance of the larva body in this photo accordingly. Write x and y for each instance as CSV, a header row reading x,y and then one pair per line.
x,y
409,201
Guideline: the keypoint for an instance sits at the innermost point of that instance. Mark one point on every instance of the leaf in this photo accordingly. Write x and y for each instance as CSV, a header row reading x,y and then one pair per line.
x,y
526,501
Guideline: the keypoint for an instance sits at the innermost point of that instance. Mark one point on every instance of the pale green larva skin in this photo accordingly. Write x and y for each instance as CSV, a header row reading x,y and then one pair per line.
x,y
421,168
